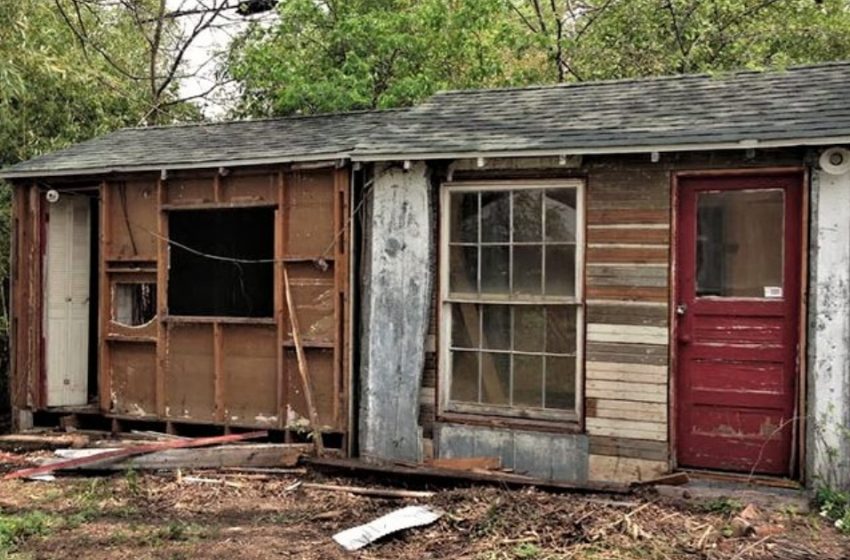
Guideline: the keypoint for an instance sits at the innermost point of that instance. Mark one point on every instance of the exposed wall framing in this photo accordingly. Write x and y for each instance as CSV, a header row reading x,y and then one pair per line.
x,y
229,371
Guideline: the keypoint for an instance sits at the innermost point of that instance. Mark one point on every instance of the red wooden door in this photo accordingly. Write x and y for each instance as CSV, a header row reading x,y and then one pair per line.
x,y
737,321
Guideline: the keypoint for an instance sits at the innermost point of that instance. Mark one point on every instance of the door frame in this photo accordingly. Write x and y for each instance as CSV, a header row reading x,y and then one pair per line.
x,y
798,438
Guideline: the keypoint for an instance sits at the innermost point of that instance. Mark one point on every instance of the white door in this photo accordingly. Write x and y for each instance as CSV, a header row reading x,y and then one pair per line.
x,y
67,289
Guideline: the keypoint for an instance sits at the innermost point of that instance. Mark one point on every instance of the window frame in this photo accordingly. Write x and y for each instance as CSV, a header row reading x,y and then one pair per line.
x,y
170,242
508,413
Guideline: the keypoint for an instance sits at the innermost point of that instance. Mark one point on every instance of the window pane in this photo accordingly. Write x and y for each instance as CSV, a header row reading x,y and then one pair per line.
x,y
528,322
528,264
494,269
464,325
561,215
463,269
495,378
464,218
528,381
561,329
464,376
560,270
133,304
528,216
495,217
560,383
496,324
739,243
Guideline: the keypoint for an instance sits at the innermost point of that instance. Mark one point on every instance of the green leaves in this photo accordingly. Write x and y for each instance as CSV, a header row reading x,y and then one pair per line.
x,y
329,55
357,54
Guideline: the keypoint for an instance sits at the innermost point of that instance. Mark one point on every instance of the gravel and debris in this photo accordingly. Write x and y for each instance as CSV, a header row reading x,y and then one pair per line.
x,y
228,515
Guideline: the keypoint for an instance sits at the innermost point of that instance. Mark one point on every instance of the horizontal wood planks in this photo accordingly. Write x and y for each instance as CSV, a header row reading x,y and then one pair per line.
x,y
627,279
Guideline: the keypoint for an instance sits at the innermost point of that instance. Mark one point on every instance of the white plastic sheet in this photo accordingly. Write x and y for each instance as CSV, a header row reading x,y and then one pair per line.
x,y
404,518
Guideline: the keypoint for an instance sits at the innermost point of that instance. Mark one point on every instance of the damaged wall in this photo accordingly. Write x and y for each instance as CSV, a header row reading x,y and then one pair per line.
x,y
396,299
162,360
829,317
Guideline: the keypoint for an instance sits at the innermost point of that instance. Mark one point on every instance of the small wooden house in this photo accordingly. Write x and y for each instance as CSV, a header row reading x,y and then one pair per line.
x,y
593,282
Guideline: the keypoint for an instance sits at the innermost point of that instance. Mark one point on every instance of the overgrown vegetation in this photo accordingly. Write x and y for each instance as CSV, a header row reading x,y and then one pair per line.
x,y
835,506
359,54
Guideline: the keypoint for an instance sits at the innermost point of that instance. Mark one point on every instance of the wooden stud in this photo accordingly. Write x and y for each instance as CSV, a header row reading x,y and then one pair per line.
x,y
279,309
105,306
302,365
218,374
37,326
161,297
217,188
339,274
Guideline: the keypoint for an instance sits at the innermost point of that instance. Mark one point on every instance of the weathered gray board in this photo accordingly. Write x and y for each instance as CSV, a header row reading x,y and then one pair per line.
x,y
397,288
224,456
829,320
548,456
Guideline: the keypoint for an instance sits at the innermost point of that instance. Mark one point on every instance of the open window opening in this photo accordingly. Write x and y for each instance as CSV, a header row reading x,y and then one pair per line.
x,y
221,262
133,303
512,300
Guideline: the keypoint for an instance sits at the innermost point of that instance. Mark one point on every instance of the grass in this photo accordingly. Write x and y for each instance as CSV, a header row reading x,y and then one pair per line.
x,y
17,528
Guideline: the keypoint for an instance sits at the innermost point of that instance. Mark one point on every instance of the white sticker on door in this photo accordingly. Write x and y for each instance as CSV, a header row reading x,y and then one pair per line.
x,y
773,291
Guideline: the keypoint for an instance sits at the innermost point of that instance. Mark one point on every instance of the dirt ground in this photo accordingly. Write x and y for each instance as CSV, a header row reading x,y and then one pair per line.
x,y
133,515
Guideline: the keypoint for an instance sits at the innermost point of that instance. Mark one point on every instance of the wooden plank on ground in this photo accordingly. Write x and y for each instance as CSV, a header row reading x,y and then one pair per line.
x,y
411,472
107,457
466,463
220,457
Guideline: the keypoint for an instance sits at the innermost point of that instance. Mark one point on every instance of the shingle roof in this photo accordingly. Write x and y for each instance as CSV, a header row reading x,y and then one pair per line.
x,y
209,144
802,103
806,105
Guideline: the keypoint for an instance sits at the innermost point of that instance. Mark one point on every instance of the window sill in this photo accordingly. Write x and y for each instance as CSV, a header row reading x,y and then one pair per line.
x,y
570,426
186,319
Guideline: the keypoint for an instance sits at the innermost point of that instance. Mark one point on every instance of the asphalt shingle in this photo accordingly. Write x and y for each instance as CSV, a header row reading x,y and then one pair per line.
x,y
806,104
206,144
809,102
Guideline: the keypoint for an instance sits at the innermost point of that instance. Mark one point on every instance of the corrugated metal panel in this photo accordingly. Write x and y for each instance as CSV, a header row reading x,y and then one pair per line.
x,y
548,456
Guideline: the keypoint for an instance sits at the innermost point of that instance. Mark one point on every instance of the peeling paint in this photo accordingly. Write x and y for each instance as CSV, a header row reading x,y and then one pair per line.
x,y
829,320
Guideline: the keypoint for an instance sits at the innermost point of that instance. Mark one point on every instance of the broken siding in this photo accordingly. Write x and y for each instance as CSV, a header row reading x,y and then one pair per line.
x,y
233,371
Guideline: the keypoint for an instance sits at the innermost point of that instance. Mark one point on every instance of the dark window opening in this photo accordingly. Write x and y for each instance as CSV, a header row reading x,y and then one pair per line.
x,y
202,282
133,304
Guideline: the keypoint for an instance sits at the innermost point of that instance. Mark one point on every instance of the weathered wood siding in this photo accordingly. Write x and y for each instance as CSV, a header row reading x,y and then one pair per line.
x,y
627,272
397,298
627,293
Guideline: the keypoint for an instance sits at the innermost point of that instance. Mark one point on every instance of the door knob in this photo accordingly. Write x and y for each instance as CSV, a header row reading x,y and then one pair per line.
x,y
681,309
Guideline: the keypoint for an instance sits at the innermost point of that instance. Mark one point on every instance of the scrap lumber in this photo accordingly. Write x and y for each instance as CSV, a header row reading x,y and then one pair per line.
x,y
466,463
224,456
674,479
110,456
423,472
41,441
363,491
302,365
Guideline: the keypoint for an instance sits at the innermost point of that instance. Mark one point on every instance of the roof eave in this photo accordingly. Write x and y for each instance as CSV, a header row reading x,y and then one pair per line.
x,y
603,150
156,168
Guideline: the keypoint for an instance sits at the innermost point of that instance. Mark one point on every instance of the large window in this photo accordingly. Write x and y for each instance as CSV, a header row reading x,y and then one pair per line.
x,y
511,298
201,279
